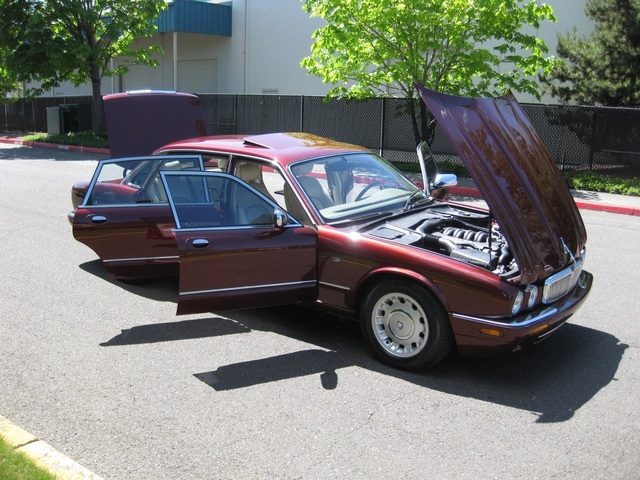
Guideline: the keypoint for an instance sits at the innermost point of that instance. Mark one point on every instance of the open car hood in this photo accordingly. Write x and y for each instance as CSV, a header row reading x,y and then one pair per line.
x,y
140,122
517,177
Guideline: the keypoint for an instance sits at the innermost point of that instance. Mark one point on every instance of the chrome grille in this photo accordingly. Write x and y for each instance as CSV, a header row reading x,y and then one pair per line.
x,y
558,285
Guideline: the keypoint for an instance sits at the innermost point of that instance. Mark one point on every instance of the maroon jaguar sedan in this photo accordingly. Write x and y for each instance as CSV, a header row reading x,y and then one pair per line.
x,y
258,220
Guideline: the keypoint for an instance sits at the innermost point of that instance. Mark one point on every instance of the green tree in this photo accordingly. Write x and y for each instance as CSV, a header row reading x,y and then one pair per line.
x,y
381,47
604,67
46,42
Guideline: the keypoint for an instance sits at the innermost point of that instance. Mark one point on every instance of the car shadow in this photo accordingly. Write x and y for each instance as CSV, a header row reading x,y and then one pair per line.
x,y
552,380
163,289
173,331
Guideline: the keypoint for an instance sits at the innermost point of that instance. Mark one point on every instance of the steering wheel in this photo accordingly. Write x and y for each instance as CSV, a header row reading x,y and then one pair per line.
x,y
367,188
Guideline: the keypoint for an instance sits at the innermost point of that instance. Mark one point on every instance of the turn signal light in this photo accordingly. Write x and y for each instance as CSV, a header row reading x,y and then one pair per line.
x,y
492,332
539,329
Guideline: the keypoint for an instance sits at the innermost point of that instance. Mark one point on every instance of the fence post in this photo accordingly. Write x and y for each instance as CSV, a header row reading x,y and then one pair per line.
x,y
33,116
381,149
301,113
593,136
235,112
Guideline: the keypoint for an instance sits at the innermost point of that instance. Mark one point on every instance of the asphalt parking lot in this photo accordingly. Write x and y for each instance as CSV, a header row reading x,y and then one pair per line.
x,y
107,374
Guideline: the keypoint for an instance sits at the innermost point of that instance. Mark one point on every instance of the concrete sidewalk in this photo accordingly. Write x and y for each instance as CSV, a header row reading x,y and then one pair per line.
x,y
466,189
585,200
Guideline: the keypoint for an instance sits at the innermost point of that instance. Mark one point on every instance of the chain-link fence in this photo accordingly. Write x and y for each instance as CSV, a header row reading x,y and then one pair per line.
x,y
606,139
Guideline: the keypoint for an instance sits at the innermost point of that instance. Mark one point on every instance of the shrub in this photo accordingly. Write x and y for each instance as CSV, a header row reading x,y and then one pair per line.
x,y
83,139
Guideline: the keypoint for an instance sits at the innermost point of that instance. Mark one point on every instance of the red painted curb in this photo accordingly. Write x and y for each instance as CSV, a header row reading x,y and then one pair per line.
x,y
603,207
75,148
465,191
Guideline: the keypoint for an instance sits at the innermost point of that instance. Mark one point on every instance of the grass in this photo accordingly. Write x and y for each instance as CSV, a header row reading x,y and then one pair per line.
x,y
17,466
596,182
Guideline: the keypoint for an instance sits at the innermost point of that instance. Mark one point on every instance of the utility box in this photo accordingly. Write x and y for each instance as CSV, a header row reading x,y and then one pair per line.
x,y
67,118
53,120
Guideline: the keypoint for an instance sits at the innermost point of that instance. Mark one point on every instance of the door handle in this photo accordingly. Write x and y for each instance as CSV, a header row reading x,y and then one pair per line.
x,y
98,219
200,243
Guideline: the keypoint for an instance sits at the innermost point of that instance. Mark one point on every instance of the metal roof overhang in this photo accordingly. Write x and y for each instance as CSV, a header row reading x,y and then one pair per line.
x,y
196,17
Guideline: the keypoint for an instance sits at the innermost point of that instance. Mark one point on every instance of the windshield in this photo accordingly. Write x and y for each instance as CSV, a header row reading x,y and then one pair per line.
x,y
353,186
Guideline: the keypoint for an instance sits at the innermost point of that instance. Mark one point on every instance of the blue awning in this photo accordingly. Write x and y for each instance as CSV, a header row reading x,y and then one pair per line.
x,y
196,17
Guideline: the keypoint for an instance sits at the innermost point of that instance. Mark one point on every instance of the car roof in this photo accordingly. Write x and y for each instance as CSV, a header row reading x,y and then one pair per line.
x,y
282,148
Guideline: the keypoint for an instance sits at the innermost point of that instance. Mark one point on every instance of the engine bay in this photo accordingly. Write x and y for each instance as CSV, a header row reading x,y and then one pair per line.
x,y
466,235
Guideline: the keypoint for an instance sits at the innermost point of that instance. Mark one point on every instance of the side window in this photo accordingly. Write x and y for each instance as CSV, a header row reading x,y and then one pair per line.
x,y
209,201
270,182
197,200
153,191
264,178
132,181
118,182
215,163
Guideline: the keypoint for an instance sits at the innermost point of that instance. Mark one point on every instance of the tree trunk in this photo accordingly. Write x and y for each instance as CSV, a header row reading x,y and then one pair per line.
x,y
424,125
96,105
414,120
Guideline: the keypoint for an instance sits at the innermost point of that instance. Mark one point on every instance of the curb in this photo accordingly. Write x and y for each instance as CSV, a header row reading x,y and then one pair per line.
x,y
44,455
75,148
602,207
582,204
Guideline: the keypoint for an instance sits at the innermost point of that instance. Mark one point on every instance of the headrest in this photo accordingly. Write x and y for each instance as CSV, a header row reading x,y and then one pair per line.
x,y
249,172
304,169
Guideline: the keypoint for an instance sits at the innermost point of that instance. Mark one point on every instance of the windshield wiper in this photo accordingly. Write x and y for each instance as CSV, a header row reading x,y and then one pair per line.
x,y
363,218
410,201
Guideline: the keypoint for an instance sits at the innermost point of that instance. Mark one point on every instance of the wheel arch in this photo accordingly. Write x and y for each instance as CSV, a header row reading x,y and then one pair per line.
x,y
381,275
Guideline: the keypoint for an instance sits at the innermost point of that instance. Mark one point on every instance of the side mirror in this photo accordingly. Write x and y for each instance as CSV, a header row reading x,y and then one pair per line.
x,y
440,186
280,218
445,180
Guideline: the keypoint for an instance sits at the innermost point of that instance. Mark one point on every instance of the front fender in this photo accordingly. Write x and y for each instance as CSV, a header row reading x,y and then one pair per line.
x,y
386,273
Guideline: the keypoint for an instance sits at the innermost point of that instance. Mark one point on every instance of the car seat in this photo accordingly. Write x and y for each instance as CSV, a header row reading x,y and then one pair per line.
x,y
340,180
252,174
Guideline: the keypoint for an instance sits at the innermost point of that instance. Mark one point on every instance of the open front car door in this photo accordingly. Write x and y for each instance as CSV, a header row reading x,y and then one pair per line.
x,y
237,248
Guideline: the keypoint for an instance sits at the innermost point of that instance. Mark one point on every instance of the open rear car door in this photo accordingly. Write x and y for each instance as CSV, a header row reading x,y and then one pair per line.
x,y
125,216
237,248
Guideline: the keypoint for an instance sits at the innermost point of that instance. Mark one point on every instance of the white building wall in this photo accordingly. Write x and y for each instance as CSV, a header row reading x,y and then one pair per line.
x,y
277,38
569,14
269,40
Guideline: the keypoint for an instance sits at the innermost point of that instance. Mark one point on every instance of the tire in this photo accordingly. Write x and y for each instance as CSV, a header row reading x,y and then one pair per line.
x,y
405,325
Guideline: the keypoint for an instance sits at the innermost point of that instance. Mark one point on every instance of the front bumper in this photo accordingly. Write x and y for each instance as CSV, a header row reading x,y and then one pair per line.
x,y
489,337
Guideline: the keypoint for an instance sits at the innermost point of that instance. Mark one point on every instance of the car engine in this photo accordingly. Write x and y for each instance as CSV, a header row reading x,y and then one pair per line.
x,y
466,235
483,247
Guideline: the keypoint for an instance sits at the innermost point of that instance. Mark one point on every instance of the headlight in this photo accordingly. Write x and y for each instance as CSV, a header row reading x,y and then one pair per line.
x,y
517,303
534,292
